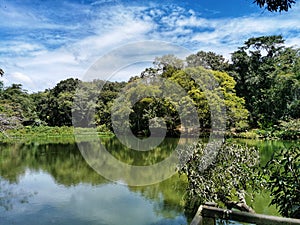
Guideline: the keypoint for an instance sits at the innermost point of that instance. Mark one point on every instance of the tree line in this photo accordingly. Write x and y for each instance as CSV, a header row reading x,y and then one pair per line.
x,y
260,85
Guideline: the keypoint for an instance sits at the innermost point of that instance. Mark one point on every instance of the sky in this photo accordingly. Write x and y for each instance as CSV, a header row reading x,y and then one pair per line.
x,y
44,42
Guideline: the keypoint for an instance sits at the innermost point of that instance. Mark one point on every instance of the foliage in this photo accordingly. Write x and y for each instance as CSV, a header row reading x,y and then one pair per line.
x,y
289,130
10,116
232,172
152,100
168,61
54,106
16,107
19,97
275,5
92,106
248,134
208,60
286,130
283,179
205,99
267,76
29,133
142,101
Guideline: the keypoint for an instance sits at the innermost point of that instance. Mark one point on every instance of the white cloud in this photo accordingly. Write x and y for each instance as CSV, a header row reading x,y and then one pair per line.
x,y
21,48
293,41
18,77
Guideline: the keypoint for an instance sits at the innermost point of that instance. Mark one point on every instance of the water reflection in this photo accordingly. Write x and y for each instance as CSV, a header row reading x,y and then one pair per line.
x,y
52,184
266,147
11,195
83,204
67,191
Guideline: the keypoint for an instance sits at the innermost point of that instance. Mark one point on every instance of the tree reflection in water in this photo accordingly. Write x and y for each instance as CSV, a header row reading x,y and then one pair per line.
x,y
64,163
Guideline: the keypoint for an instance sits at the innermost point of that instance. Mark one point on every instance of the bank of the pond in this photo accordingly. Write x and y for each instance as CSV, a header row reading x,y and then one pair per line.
x,y
64,133
266,134
285,130
48,134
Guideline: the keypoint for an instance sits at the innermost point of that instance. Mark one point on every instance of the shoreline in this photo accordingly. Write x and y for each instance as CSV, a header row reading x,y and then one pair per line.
x,y
27,134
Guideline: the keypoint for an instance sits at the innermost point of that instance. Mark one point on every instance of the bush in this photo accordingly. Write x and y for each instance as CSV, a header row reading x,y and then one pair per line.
x,y
286,130
283,179
228,177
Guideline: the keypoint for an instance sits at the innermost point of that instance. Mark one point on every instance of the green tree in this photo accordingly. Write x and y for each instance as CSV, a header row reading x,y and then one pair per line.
x,y
168,61
156,105
208,60
16,107
285,90
93,102
21,100
283,179
264,69
55,105
137,99
237,114
84,104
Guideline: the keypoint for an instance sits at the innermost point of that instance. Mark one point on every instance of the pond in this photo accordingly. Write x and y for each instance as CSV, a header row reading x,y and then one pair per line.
x,y
52,184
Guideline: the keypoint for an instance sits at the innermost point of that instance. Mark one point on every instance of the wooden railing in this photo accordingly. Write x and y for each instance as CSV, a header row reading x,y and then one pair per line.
x,y
207,215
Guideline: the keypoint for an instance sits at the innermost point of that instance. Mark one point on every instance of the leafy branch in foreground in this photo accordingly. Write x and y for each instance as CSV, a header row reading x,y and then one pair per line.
x,y
283,179
226,180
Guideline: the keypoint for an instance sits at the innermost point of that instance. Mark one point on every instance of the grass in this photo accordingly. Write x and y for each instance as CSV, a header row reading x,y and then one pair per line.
x,y
47,133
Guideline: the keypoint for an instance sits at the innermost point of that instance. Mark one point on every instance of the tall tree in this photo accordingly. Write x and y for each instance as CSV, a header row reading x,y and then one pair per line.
x,y
257,67
19,97
208,60
149,108
16,106
55,105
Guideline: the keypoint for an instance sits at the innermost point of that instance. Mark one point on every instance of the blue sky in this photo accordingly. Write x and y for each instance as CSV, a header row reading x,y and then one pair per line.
x,y
43,42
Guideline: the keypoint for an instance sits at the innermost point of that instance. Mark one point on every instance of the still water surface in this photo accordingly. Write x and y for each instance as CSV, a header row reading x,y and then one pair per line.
x,y
52,184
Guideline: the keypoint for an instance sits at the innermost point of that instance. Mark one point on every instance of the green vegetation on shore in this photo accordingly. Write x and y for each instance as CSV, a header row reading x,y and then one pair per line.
x,y
47,134
285,130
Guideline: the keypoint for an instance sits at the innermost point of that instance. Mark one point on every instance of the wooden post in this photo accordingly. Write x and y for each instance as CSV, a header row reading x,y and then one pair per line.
x,y
200,220
212,213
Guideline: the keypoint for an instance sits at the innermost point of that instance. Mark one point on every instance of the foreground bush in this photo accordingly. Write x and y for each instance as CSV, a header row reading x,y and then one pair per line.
x,y
226,180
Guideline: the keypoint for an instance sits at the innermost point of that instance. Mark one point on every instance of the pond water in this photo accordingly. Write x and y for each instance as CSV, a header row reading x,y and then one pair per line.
x,y
52,184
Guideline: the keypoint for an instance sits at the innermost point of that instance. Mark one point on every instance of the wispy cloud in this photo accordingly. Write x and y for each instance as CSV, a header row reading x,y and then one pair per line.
x,y
21,78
